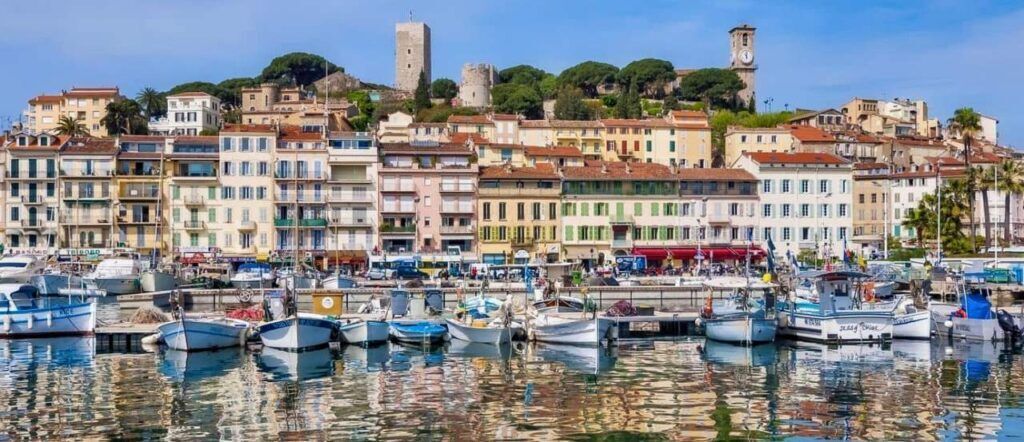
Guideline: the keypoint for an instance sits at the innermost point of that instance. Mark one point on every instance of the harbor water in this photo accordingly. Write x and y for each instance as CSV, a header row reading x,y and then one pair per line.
x,y
61,388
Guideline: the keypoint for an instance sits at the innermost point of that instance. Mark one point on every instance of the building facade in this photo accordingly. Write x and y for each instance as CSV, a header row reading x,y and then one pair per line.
x,y
32,193
87,209
87,105
412,54
188,113
140,184
518,214
352,199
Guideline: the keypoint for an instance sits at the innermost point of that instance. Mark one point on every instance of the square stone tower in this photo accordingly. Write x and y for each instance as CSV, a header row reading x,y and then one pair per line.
x,y
412,54
741,59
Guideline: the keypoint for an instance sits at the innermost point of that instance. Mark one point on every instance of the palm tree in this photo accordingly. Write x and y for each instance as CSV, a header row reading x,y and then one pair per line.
x,y
152,102
125,117
71,127
971,181
1011,182
919,220
967,122
982,185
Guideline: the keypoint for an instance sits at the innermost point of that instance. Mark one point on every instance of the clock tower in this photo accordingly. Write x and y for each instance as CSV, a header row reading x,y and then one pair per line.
x,y
741,59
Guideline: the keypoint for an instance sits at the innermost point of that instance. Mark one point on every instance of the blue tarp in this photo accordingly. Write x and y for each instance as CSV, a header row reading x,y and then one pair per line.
x,y
977,305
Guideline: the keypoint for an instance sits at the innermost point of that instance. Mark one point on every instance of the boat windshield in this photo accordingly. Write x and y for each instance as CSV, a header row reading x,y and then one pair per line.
x,y
13,265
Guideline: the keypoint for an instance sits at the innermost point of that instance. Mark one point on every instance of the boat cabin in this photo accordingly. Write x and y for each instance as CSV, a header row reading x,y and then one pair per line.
x,y
15,297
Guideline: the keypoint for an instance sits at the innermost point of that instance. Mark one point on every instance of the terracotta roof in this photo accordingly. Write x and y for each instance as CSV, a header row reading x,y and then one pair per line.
x,y
553,151
55,143
209,140
919,142
602,170
718,174
295,133
505,117
543,171
810,134
928,173
795,158
428,125
689,114
45,99
400,148
464,137
93,92
568,124
248,128
468,119
870,166
191,94
90,146
618,122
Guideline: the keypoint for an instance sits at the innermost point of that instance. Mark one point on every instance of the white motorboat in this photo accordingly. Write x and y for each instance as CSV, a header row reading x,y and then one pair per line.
x,y
199,334
339,282
839,316
253,276
158,281
290,279
116,276
22,315
360,332
51,283
495,331
971,319
558,330
739,318
910,323
20,269
299,332
417,332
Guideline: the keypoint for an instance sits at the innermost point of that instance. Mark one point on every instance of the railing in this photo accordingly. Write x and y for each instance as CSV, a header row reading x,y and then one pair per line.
x,y
386,228
139,172
396,187
622,243
458,187
531,191
31,223
351,197
307,222
140,192
86,196
304,175
195,225
32,199
86,173
455,209
399,209
718,218
458,230
349,222
522,242
247,225
194,200
620,219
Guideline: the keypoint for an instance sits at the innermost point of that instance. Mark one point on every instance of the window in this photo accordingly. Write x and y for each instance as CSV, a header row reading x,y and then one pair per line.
x,y
823,186
805,186
649,144
824,210
225,144
786,186
787,234
672,146
805,234
786,210
501,212
766,210
805,210
520,211
487,211
766,186
842,210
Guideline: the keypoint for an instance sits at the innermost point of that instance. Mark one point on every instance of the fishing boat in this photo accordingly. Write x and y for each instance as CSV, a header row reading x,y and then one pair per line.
x,y
298,332
54,279
116,276
339,282
972,317
360,332
292,279
252,275
199,334
559,304
20,269
559,330
575,358
838,315
424,332
739,318
158,281
496,331
22,314
909,322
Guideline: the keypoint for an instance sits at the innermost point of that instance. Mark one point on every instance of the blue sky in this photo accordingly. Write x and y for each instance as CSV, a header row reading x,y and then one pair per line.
x,y
810,54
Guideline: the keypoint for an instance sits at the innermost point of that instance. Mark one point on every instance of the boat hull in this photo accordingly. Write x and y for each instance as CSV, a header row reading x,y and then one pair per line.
x,y
50,285
592,332
418,333
64,320
842,327
157,282
297,333
483,335
335,283
970,329
126,285
917,325
364,332
741,330
200,335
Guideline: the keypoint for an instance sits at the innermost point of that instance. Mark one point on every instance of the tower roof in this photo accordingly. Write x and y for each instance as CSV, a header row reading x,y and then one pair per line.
x,y
742,27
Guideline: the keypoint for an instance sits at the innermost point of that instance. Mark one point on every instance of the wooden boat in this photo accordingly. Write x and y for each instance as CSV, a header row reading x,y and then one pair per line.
x,y
298,332
418,332
495,331
739,319
199,334
158,281
838,316
360,332
554,329
22,316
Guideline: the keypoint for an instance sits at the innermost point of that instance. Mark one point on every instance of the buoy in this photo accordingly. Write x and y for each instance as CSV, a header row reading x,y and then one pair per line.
x,y
152,339
948,324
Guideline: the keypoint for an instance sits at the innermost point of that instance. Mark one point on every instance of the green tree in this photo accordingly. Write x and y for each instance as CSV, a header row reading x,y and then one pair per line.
x,y
440,114
518,99
299,68
522,74
1011,182
231,89
200,86
154,104
628,104
715,87
444,88
919,221
587,76
421,98
569,105
967,123
670,103
651,75
548,86
125,117
982,181
71,127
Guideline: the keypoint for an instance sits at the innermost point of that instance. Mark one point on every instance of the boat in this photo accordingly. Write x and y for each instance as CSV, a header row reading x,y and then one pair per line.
x,y
724,354
158,281
909,322
253,275
19,269
199,334
481,306
423,332
575,358
372,358
182,366
739,318
559,304
298,332
972,317
290,279
21,314
116,276
558,330
53,280
495,331
339,282
360,332
838,315
475,350
286,365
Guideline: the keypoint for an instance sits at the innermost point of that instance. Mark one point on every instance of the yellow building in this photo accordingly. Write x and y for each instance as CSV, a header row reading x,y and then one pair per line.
x,y
587,136
246,201
193,195
140,182
518,212
86,175
740,140
86,104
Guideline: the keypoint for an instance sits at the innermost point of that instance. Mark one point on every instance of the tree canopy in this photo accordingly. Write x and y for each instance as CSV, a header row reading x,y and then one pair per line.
x,y
232,89
714,86
522,74
587,76
421,97
202,86
299,68
440,114
511,98
154,104
125,117
651,75
569,105
444,88
628,105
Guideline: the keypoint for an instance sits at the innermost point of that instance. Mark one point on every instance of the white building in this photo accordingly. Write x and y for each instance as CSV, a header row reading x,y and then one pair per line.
x,y
806,200
188,113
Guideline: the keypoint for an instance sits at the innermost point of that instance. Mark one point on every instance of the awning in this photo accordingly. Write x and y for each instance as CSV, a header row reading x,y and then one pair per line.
x,y
718,253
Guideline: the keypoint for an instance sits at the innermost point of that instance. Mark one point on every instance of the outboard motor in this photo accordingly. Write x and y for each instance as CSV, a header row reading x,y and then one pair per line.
x,y
1008,325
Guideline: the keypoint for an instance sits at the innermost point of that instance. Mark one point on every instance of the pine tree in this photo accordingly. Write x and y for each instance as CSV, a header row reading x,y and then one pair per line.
x,y
421,99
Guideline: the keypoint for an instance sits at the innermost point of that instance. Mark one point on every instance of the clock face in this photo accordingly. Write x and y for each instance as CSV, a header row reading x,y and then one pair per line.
x,y
746,56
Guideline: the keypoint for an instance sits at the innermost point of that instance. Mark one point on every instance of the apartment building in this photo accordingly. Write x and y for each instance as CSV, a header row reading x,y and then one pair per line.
x,y
188,113
246,170
300,194
559,156
32,193
85,104
742,140
352,199
86,216
139,181
193,197
587,136
871,189
805,200
518,214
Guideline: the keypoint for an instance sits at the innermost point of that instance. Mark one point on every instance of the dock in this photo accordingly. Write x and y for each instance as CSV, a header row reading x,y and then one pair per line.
x,y
123,337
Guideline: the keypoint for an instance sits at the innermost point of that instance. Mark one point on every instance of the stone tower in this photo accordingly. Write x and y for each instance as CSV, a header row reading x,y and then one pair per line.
x,y
741,59
477,81
412,54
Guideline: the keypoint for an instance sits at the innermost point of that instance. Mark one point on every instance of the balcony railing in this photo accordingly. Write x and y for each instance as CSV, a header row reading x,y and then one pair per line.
x,y
195,225
301,175
620,219
247,226
458,230
307,222
399,209
387,228
304,197
352,222
194,200
351,197
139,192
86,196
719,218
78,173
31,199
525,191
398,187
458,187
622,243
32,223
152,171
456,209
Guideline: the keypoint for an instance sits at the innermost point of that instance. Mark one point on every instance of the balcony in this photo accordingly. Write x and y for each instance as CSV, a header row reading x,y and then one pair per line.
x,y
522,242
31,223
136,172
86,221
196,174
399,209
622,243
387,229
458,230
522,192
303,198
30,176
455,209
300,176
718,218
349,180
247,226
351,197
139,193
307,222
398,187
31,200
620,219
195,225
86,173
194,200
458,188
87,196
129,220
349,222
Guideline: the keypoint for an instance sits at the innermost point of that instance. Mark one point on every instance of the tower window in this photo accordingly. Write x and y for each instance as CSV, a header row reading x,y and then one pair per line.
x,y
745,39
409,51
409,66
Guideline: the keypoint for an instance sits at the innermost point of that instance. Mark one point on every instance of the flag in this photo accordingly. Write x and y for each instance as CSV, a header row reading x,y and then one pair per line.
x,y
771,254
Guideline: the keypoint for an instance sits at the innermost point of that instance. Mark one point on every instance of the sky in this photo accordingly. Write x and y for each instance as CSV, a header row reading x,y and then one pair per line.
x,y
813,54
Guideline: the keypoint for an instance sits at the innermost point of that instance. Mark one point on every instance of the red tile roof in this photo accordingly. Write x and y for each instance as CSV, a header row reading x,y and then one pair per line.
x,y
568,124
543,171
602,170
54,144
946,173
209,140
468,119
248,128
553,151
92,92
295,133
89,146
715,174
870,166
45,99
795,158
504,117
810,134
465,137
689,114
406,148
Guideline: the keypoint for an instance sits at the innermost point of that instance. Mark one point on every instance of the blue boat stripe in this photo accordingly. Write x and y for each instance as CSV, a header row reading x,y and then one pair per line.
x,y
55,318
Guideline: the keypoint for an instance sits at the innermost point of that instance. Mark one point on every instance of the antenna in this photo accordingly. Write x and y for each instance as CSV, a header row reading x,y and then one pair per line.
x,y
410,16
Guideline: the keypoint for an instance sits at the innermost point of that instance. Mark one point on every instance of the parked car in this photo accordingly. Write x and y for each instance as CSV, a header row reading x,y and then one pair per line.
x,y
376,274
410,273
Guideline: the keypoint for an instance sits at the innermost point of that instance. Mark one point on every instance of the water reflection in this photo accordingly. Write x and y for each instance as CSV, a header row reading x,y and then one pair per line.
x,y
60,389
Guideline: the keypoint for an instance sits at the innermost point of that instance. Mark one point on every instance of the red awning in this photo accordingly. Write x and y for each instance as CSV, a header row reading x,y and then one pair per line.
x,y
717,253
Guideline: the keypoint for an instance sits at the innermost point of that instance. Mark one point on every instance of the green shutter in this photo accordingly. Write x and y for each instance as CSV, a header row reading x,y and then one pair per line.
x,y
176,192
619,209
211,193
638,209
654,209
213,215
568,233
177,214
